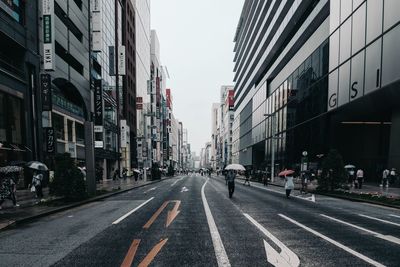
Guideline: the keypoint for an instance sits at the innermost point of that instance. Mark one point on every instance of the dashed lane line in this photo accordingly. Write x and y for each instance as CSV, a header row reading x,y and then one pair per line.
x,y
396,216
340,245
380,220
219,249
132,211
174,183
378,235
151,189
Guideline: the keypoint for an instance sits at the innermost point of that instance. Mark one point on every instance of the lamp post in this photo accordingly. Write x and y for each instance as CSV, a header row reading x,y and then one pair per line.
x,y
273,116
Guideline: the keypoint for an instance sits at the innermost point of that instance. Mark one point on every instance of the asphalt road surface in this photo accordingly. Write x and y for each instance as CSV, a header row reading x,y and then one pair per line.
x,y
191,221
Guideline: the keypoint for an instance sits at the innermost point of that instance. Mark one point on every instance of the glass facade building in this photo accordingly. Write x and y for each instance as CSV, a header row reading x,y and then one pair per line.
x,y
318,75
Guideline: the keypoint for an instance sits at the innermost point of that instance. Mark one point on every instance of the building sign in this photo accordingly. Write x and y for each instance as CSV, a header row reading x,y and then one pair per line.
x,y
96,25
45,84
123,133
48,35
111,58
72,149
139,99
50,140
121,60
12,8
231,99
98,144
98,104
139,106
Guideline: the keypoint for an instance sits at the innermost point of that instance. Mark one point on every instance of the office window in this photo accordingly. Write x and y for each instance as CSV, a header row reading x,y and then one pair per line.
x,y
358,31
373,66
344,83
334,50
315,65
392,14
345,41
357,76
58,124
374,19
345,9
80,133
70,127
334,15
391,60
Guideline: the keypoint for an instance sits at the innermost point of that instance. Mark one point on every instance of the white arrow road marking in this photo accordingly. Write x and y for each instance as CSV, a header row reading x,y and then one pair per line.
x,y
184,189
396,216
378,235
285,258
353,252
151,189
377,219
174,183
219,249
132,211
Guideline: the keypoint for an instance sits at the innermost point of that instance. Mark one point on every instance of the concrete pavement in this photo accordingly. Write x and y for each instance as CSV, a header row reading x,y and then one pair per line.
x,y
167,224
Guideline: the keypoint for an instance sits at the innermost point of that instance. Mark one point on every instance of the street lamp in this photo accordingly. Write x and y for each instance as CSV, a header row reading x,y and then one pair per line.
x,y
273,116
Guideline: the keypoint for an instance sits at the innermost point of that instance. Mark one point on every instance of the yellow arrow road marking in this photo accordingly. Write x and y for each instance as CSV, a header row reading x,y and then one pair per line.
x,y
131,253
153,253
173,213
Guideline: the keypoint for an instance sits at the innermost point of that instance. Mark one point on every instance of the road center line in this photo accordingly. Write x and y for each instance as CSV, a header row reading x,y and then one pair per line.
x,y
378,235
132,211
351,251
285,258
219,249
377,219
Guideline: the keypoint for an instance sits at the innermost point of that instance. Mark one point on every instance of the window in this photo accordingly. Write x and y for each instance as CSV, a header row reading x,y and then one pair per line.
x,y
80,133
70,127
357,76
390,60
373,66
345,41
358,31
374,19
58,124
334,50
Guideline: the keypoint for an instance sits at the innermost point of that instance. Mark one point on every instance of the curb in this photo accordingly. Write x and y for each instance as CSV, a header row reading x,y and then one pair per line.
x,y
353,199
74,205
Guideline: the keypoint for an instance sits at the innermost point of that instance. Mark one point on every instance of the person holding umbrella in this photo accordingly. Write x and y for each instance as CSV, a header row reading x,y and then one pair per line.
x,y
289,185
37,178
231,182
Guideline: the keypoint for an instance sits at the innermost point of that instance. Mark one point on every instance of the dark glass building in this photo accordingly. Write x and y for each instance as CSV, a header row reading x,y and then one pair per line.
x,y
318,75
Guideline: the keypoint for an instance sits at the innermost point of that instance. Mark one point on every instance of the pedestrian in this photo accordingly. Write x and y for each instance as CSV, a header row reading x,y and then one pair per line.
x,y
124,173
385,176
304,182
289,185
7,191
116,174
225,173
36,185
231,182
247,176
265,179
392,176
351,174
360,178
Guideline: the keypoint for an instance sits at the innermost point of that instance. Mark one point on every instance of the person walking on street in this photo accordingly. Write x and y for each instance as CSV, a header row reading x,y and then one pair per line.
x,y
36,185
265,179
231,182
393,176
289,185
360,178
385,176
247,175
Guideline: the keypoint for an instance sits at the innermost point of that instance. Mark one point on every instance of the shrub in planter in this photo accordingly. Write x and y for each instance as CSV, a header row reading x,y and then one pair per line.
x,y
68,179
333,172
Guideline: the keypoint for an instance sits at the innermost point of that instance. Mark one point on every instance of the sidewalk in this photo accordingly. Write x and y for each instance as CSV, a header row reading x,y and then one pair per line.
x,y
368,188
30,208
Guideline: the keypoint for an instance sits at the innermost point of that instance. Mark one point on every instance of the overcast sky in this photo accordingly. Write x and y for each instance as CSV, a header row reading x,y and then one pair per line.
x,y
196,45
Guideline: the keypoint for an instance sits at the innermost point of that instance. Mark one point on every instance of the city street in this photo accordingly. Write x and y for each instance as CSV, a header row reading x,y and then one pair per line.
x,y
190,221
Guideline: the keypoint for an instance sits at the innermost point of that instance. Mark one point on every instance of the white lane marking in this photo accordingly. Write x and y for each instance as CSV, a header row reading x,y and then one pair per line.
x,y
184,189
151,189
132,211
70,216
176,181
353,252
285,258
396,216
377,219
219,249
378,235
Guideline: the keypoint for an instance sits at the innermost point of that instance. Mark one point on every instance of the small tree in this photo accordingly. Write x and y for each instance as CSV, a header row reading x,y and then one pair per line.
x,y
68,179
333,172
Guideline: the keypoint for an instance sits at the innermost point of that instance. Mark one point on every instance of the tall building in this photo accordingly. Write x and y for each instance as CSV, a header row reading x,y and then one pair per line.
x,y
143,41
20,109
317,75
227,105
215,133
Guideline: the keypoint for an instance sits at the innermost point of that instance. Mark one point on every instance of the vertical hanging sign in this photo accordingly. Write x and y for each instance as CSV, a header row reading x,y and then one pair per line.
x,y
121,60
96,26
98,106
48,35
50,141
45,84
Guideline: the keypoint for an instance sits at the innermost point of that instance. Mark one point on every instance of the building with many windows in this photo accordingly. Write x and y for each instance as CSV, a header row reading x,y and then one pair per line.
x,y
317,75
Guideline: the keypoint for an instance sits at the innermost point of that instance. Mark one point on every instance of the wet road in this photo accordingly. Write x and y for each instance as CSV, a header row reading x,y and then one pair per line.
x,y
190,221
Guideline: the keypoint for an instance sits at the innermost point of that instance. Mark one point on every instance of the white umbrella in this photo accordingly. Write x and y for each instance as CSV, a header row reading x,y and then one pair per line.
x,y
236,167
349,166
37,166
136,170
